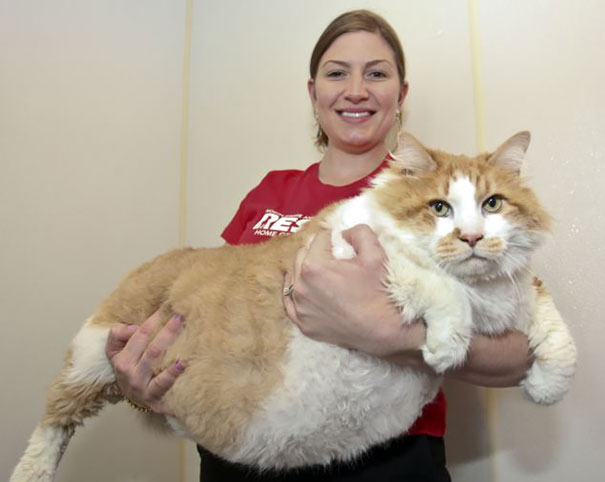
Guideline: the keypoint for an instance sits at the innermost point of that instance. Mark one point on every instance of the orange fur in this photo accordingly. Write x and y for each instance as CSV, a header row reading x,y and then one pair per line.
x,y
407,198
236,330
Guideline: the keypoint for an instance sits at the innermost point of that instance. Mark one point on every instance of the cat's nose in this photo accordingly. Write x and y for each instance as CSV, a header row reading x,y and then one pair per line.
x,y
470,238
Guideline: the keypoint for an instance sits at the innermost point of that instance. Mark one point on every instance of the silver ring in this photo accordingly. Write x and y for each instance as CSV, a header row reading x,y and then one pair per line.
x,y
289,290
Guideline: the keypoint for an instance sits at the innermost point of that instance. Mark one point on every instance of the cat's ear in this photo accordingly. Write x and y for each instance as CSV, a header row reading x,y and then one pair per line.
x,y
411,156
510,155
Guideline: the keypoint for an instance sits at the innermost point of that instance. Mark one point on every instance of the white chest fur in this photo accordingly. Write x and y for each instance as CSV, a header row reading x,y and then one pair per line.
x,y
501,305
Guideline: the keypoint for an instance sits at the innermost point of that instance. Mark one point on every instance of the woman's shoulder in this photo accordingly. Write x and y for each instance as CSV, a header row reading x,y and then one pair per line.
x,y
286,178
290,174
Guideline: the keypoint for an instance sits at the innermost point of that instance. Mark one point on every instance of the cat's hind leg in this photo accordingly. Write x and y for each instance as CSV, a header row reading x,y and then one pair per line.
x,y
82,388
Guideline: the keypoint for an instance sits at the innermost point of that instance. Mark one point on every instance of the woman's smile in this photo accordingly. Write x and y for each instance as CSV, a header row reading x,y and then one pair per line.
x,y
358,115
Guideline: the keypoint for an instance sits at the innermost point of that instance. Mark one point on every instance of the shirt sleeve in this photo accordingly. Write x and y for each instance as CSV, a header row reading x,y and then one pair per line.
x,y
232,234
235,228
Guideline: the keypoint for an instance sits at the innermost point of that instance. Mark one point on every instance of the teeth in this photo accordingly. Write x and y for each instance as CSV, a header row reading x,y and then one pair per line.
x,y
355,114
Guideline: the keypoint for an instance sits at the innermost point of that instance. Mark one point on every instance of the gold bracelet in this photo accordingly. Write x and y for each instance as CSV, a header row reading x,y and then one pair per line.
x,y
137,407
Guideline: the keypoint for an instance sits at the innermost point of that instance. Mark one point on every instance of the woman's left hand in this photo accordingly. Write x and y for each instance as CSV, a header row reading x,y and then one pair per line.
x,y
344,301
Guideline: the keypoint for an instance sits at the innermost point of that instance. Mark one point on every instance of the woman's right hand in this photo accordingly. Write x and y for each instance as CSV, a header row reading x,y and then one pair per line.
x,y
344,301
132,350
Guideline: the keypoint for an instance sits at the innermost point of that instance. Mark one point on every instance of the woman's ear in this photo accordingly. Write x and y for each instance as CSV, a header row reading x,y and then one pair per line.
x,y
403,92
311,89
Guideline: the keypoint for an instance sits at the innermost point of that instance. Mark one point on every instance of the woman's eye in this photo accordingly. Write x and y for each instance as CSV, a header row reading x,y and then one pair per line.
x,y
376,74
336,74
493,204
440,208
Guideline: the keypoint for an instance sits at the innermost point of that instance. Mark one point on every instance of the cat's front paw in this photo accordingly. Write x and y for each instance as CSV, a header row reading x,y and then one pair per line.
x,y
445,348
548,380
552,372
554,349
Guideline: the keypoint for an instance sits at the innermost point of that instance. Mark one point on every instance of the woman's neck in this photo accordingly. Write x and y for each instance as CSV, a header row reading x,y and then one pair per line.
x,y
339,168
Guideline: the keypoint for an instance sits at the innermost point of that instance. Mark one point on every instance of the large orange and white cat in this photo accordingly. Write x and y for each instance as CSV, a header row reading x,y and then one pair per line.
x,y
458,233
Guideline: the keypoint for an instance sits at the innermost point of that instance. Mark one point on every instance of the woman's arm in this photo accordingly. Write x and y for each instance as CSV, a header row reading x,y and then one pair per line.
x,y
344,302
496,361
492,361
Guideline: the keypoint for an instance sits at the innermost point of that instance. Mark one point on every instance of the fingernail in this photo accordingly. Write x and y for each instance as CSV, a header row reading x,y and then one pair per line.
x,y
179,318
131,328
179,366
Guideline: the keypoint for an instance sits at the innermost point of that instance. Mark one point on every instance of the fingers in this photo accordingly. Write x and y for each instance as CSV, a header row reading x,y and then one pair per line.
x,y
365,243
162,382
288,299
119,335
360,236
313,257
140,340
320,248
133,353
300,257
308,262
160,342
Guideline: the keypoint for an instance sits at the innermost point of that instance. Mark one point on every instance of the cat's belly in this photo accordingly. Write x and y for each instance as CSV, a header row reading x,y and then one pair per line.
x,y
333,404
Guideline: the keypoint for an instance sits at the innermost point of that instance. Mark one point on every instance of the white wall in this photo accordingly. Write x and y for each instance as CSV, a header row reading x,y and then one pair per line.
x,y
544,70
90,110
90,123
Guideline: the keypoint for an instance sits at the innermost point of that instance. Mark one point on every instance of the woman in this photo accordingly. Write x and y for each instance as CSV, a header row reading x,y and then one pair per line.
x,y
357,87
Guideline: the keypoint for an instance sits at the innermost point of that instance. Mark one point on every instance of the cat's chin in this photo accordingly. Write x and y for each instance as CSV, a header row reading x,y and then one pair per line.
x,y
474,267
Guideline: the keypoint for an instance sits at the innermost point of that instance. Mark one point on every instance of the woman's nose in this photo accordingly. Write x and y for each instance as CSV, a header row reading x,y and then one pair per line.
x,y
356,89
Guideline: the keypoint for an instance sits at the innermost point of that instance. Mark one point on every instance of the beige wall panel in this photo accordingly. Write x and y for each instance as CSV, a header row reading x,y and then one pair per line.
x,y
90,111
544,71
250,113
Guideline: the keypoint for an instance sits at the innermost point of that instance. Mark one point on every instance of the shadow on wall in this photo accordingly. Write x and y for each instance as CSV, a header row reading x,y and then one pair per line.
x,y
533,451
467,425
467,437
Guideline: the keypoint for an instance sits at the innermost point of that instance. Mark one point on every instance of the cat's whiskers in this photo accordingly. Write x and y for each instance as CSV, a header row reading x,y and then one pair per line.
x,y
519,245
527,269
515,284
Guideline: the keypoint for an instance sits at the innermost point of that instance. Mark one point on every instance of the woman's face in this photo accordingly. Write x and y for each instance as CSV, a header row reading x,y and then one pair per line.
x,y
357,93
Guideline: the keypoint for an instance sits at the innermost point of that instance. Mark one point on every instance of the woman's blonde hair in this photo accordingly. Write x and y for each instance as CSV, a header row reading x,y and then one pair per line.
x,y
355,21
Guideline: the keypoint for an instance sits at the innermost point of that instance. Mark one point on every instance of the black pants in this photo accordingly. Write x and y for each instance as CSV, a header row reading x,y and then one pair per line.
x,y
415,458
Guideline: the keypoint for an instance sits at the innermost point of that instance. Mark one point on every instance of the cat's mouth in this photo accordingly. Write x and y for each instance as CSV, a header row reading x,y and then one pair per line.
x,y
472,256
463,260
472,264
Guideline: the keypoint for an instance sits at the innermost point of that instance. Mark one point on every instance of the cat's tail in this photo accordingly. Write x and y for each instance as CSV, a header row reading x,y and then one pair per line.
x,y
84,385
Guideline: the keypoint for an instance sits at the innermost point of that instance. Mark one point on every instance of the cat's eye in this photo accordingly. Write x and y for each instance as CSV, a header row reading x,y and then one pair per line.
x,y
493,204
440,208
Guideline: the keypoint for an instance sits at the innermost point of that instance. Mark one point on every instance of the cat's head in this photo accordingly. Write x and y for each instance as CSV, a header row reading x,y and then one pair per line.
x,y
474,215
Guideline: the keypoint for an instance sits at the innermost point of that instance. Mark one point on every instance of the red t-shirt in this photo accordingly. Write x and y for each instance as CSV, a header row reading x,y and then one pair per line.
x,y
280,205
